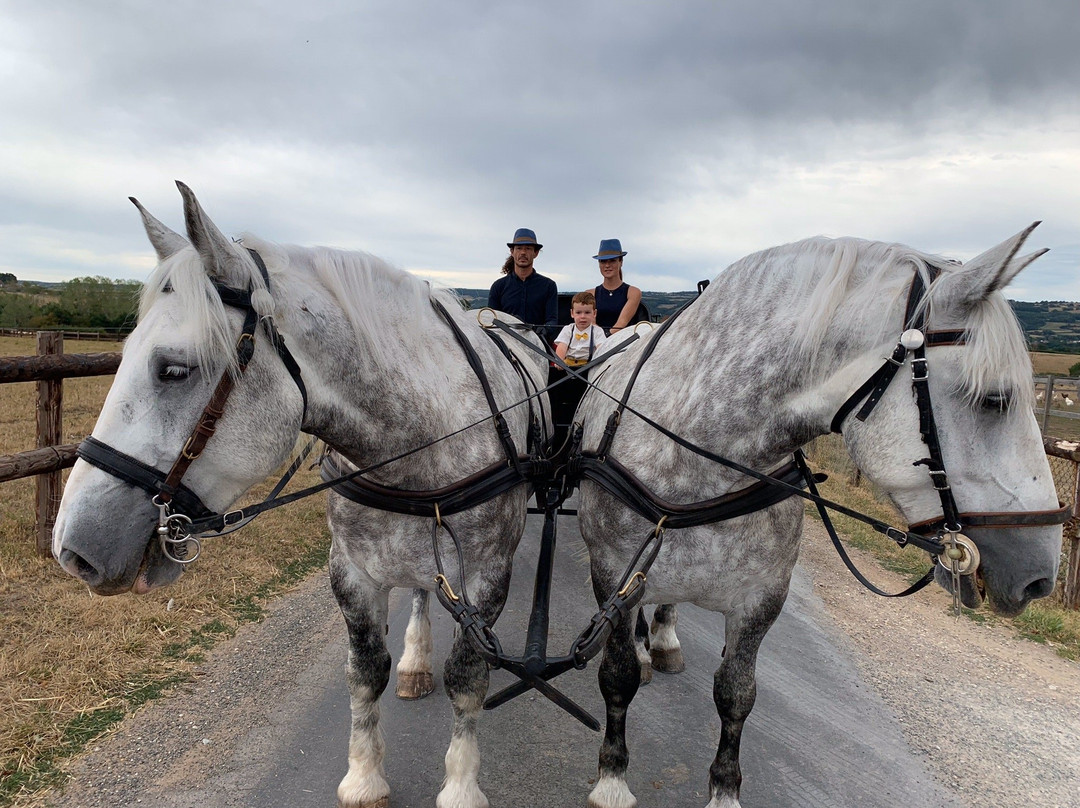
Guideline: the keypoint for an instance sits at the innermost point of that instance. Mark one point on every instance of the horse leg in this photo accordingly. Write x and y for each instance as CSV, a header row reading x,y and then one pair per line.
x,y
414,679
665,650
619,675
465,677
364,606
735,690
641,645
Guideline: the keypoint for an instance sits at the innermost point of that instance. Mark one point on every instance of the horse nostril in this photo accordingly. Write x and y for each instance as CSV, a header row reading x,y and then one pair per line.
x,y
78,566
1038,589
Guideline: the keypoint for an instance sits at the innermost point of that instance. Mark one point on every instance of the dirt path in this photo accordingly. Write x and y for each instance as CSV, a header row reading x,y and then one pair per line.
x,y
997,717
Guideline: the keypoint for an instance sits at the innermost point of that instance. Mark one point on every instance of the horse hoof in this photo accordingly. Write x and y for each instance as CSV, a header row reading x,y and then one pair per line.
x,y
668,660
646,673
382,802
412,686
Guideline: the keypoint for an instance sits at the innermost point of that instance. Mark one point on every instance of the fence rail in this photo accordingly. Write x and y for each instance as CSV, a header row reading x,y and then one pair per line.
x,y
100,335
48,369
1062,391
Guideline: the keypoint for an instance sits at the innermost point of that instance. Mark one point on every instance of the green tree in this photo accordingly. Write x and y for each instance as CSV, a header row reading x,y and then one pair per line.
x,y
16,311
98,302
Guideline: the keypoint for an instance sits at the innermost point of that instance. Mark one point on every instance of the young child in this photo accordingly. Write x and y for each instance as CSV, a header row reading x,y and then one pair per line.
x,y
577,342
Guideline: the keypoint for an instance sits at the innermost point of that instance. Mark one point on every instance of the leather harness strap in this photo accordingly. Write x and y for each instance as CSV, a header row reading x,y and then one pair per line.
x,y
470,491
462,495
619,481
871,391
1002,519
139,474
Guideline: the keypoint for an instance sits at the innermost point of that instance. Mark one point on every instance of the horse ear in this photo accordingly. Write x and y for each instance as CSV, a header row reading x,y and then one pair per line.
x,y
994,269
166,242
219,257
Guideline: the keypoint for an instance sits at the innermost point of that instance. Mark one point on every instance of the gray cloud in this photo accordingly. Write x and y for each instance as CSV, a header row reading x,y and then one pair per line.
x,y
427,132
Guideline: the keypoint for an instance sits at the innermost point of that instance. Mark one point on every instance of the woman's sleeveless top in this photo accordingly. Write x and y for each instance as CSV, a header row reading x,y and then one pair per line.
x,y
609,304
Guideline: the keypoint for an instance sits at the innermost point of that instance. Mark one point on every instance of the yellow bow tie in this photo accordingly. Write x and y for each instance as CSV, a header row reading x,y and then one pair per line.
x,y
582,336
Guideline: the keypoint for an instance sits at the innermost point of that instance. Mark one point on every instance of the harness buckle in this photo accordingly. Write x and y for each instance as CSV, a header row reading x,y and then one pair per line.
x,y
187,455
245,349
941,483
897,535
226,520
918,364
636,580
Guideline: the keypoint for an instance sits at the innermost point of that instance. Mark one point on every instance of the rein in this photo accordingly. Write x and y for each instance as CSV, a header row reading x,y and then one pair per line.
x,y
534,668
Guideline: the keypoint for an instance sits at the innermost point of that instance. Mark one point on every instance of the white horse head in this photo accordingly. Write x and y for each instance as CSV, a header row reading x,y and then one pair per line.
x,y
982,399
172,362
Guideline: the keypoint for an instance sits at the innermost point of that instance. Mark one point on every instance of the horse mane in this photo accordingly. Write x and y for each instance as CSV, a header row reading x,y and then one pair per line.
x,y
862,280
381,302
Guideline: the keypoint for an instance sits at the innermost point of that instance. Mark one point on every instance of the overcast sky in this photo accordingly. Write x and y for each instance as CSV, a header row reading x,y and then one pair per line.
x,y
427,132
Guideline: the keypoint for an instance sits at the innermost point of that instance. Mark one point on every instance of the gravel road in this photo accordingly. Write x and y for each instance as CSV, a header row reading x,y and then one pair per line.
x,y
988,719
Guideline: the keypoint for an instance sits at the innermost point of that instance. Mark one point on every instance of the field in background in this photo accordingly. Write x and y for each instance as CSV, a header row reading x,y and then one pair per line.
x,y
1055,363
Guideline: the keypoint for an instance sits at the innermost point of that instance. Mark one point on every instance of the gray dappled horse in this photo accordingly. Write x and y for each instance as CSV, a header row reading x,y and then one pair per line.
x,y
383,375
757,367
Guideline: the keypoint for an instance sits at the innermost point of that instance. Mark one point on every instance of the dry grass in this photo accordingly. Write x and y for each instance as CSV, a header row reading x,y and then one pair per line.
x,y
75,663
1056,363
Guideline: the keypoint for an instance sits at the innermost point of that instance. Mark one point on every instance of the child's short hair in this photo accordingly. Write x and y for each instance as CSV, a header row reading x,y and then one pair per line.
x,y
583,299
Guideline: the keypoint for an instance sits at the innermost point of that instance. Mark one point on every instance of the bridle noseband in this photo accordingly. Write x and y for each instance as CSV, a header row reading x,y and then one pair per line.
x,y
177,504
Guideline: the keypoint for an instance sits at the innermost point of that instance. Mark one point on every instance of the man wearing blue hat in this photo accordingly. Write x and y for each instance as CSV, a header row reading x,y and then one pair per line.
x,y
524,292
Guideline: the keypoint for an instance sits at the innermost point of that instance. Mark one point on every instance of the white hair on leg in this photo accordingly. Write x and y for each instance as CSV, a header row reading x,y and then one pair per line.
x,y
611,792
460,789
365,786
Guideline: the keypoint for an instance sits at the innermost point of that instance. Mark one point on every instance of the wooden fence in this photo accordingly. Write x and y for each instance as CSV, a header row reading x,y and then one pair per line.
x,y
1064,457
100,335
48,369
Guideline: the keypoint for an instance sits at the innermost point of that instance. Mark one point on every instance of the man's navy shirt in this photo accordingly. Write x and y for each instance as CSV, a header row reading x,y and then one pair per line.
x,y
534,300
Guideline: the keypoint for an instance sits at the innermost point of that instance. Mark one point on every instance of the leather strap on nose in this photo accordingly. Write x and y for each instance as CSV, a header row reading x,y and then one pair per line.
x,y
139,474
1001,519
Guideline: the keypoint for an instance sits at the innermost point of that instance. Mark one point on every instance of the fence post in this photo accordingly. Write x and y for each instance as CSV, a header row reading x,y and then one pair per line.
x,y
1071,595
1046,403
49,433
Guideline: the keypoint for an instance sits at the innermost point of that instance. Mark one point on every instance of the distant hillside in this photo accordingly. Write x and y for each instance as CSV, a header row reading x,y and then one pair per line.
x,y
660,304
1050,325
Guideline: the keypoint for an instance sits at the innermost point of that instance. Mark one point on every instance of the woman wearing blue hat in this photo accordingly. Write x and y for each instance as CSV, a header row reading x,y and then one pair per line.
x,y
616,301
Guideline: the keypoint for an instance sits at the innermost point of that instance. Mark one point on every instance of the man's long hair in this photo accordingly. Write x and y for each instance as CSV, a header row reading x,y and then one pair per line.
x,y
508,265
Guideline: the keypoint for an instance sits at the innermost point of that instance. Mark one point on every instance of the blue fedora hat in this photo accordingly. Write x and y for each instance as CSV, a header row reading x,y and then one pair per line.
x,y
524,235
609,248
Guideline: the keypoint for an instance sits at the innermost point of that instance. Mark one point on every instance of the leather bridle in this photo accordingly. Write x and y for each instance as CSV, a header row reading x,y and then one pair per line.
x,y
177,504
959,551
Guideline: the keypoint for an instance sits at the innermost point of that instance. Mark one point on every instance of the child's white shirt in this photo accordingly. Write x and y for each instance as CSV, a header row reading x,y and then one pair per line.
x,y
578,341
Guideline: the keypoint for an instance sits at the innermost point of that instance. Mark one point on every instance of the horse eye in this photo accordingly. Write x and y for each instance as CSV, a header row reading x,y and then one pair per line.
x,y
174,373
996,402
